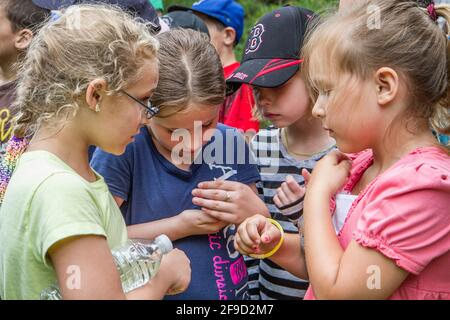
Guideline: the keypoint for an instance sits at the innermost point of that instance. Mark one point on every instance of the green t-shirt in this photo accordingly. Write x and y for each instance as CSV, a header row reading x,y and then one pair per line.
x,y
46,201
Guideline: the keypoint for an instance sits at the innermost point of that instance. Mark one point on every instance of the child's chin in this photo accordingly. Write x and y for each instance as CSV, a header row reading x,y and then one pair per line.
x,y
347,148
117,151
281,123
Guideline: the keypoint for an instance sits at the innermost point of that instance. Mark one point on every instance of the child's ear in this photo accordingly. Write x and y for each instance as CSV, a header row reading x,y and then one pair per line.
x,y
229,36
95,90
387,85
23,39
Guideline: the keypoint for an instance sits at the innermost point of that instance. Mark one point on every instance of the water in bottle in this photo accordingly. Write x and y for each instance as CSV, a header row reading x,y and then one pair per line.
x,y
137,262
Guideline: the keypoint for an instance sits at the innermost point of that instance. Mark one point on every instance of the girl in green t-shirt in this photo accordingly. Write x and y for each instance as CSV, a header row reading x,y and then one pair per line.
x,y
86,80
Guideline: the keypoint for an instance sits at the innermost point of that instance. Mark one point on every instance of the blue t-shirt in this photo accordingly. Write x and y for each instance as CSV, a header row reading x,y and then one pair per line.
x,y
153,188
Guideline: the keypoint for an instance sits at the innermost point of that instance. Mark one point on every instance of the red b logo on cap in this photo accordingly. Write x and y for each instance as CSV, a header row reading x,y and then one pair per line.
x,y
255,39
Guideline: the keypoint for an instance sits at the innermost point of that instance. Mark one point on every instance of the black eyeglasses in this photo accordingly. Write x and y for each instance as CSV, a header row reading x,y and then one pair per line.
x,y
150,110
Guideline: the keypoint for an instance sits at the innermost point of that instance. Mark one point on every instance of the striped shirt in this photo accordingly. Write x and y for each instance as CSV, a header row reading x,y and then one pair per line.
x,y
267,280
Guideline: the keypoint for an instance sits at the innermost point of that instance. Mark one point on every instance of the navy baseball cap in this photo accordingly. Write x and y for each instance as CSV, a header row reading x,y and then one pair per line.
x,y
272,53
185,20
141,8
54,4
228,12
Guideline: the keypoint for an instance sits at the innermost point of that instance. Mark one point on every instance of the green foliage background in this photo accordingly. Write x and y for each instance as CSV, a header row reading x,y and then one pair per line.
x,y
254,9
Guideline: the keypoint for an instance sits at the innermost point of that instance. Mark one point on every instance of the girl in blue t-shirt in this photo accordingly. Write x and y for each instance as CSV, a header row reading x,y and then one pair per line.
x,y
182,146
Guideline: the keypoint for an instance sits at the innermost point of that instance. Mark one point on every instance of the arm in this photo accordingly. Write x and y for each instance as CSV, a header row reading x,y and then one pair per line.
x,y
98,277
256,235
333,272
185,224
291,257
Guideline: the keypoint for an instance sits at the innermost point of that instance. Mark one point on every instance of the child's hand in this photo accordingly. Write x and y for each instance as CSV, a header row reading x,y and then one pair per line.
x,y
330,173
228,201
197,222
176,269
256,235
289,193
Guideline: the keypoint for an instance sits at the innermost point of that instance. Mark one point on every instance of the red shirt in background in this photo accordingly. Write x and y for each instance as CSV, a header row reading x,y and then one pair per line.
x,y
236,111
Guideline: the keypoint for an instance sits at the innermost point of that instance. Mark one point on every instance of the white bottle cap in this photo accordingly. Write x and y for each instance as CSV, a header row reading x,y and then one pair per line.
x,y
164,243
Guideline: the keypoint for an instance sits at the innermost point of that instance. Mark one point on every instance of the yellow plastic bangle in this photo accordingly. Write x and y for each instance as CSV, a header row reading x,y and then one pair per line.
x,y
274,250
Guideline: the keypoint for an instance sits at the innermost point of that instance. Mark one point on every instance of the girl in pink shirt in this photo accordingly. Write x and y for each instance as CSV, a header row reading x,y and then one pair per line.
x,y
380,74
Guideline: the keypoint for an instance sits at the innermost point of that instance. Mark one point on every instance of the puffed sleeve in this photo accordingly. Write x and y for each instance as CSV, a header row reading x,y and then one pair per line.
x,y
407,218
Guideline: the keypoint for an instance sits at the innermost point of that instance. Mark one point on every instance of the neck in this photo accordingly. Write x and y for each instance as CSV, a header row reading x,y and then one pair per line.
x,y
398,144
68,145
7,72
307,136
227,57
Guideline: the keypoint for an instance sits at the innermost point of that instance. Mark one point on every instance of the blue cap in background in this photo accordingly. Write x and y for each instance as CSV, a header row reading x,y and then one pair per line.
x,y
228,12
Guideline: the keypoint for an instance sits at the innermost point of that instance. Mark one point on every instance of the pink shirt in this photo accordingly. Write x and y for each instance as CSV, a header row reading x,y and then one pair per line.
x,y
405,214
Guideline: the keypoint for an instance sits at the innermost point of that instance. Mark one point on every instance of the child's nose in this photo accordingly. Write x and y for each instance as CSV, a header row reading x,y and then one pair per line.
x,y
264,100
318,110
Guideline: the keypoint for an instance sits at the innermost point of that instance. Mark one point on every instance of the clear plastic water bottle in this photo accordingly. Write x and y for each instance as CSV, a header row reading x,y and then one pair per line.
x,y
51,293
137,262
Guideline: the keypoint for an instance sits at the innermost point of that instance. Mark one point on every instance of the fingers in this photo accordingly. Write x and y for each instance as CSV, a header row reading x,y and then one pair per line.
x,y
270,234
206,218
294,186
227,217
306,175
292,189
345,165
282,196
277,201
243,244
254,226
215,205
247,237
337,156
212,194
220,184
289,192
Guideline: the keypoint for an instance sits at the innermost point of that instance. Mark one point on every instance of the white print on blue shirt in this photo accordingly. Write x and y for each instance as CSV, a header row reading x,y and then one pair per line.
x,y
227,172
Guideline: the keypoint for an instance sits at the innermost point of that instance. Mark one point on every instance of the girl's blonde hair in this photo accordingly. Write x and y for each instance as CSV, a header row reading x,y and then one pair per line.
x,y
190,72
387,33
87,42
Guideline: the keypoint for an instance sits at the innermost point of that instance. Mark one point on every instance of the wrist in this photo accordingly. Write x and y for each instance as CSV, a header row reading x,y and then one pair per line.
x,y
320,188
179,227
161,282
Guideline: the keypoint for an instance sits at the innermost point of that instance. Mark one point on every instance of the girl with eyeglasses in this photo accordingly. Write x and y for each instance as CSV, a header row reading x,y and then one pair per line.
x,y
57,212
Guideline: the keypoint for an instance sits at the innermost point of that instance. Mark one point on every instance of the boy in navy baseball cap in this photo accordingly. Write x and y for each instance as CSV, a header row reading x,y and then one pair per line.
x,y
272,53
225,22
296,140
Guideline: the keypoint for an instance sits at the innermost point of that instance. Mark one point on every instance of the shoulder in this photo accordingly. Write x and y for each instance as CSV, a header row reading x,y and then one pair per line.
x,y
266,140
425,168
63,185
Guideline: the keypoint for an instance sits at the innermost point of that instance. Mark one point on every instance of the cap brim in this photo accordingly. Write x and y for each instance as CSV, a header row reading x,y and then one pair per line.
x,y
53,5
266,73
